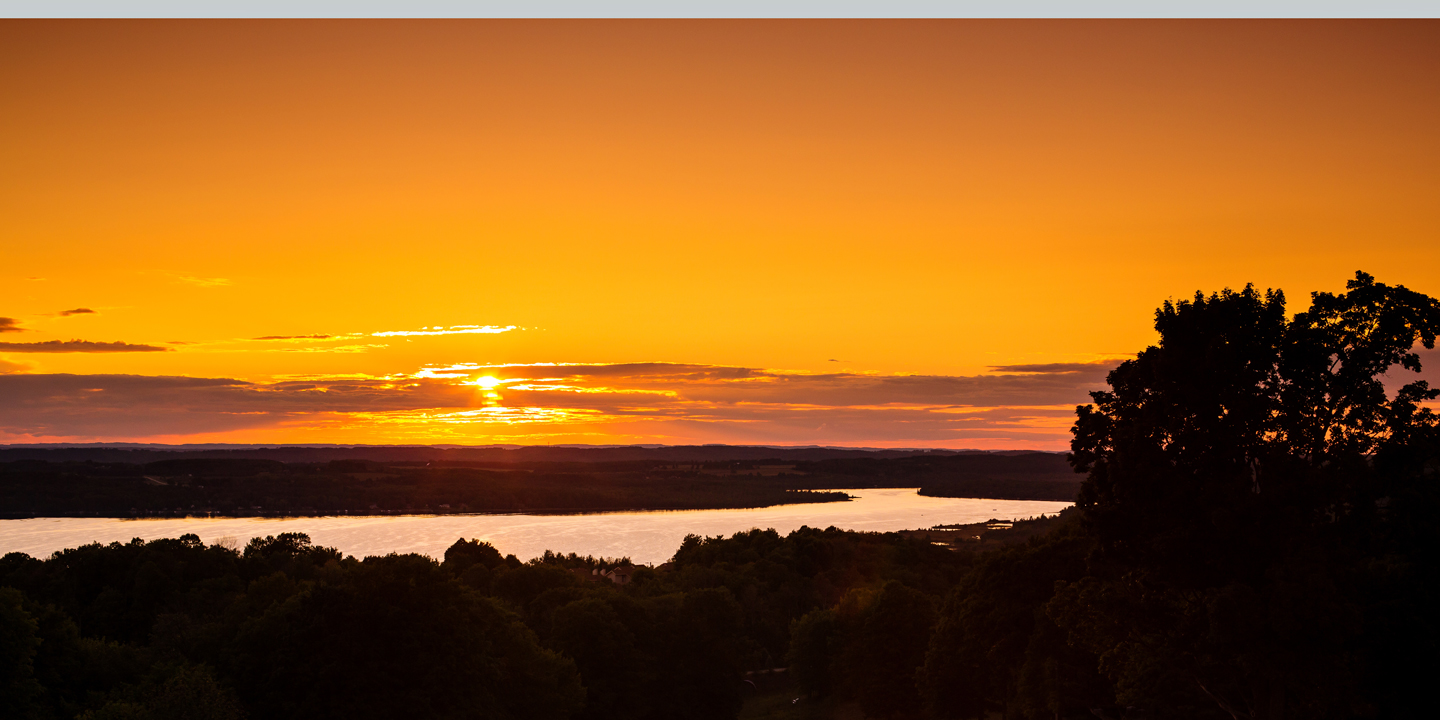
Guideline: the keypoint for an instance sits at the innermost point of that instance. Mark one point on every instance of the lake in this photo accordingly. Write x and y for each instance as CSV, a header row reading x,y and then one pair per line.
x,y
648,537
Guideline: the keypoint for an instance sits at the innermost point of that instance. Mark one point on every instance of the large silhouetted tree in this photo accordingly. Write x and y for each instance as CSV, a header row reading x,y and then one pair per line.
x,y
1251,482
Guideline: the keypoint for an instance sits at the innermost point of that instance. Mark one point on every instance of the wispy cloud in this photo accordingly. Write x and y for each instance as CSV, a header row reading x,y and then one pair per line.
x,y
452,330
78,346
302,343
203,281
77,311
1057,368
331,348
10,325
351,337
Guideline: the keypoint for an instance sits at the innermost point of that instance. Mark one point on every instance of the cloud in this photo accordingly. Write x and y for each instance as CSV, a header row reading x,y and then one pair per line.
x,y
1429,372
10,325
332,349
77,311
81,346
1099,366
636,402
202,281
112,406
320,338
7,366
452,330
724,384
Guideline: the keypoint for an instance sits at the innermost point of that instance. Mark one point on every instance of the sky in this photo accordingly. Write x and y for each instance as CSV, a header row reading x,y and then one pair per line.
x,y
868,233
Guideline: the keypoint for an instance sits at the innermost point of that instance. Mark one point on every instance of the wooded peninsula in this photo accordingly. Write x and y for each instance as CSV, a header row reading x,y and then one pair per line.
x,y
254,483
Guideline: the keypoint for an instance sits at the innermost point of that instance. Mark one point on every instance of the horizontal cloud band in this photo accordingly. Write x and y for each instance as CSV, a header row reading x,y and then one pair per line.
x,y
80,346
659,400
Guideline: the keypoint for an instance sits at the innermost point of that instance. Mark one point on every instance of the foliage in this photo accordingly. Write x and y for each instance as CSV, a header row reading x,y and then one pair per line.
x,y
395,636
62,486
239,487
993,637
1250,482
283,628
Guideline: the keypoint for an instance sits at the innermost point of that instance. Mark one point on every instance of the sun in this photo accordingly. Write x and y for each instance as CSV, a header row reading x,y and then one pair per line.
x,y
487,382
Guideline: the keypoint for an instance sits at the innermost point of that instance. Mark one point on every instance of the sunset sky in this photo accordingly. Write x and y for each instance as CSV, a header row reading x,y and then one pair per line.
x,y
874,233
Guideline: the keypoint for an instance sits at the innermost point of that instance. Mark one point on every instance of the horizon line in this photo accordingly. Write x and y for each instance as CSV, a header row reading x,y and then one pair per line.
x,y
498,446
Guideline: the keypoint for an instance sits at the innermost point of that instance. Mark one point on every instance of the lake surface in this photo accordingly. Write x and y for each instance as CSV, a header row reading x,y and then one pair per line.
x,y
645,537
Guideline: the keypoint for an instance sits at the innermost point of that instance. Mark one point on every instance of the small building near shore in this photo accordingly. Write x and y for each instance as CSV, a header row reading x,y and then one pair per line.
x,y
620,574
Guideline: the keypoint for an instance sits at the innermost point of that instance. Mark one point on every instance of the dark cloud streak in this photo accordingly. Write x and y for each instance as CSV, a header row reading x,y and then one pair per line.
x,y
1057,368
78,346
141,405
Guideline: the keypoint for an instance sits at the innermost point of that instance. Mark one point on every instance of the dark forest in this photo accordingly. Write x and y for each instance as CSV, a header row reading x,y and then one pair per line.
x,y
55,483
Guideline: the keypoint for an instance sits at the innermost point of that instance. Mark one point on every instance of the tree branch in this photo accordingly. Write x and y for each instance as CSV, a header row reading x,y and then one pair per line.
x,y
1227,707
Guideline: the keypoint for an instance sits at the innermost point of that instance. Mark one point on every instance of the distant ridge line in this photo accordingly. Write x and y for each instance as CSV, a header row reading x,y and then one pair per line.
x,y
448,446
323,452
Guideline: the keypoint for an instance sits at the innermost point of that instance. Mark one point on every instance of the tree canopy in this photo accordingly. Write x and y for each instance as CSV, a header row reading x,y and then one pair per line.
x,y
1252,483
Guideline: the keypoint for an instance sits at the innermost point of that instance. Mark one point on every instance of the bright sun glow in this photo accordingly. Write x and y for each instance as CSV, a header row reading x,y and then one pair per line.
x,y
487,382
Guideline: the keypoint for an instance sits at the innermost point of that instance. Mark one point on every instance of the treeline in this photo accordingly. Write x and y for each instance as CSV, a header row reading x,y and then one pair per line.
x,y
867,625
1002,476
244,488
283,629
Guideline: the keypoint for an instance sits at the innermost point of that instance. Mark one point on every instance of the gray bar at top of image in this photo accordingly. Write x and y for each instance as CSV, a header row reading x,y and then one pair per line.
x,y
716,9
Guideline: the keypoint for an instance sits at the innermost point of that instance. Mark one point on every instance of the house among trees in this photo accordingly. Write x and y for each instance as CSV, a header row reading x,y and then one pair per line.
x,y
620,574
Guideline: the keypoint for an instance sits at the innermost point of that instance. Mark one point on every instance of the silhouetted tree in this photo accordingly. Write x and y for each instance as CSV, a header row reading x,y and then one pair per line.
x,y
464,554
399,637
815,646
886,649
1245,476
992,631
610,662
19,640
176,693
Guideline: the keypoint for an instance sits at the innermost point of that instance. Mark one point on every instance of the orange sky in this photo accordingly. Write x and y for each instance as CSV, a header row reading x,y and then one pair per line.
x,y
828,232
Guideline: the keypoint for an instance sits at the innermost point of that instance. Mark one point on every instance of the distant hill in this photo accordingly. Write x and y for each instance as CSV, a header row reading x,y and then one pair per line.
x,y
132,453
117,481
1009,476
